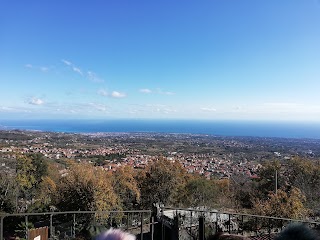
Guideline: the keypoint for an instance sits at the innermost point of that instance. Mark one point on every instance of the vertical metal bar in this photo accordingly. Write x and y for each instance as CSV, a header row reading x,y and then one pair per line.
x,y
128,215
74,226
26,222
51,228
1,226
152,227
256,230
217,230
141,229
191,217
229,224
269,227
242,224
201,228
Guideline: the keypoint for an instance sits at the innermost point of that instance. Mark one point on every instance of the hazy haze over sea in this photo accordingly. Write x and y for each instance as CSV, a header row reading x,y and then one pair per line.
x,y
222,128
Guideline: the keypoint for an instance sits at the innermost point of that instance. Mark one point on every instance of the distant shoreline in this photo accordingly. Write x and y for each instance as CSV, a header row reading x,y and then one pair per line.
x,y
218,128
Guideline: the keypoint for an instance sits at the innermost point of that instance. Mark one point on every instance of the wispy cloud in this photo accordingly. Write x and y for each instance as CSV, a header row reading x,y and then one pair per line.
x,y
156,91
145,90
208,109
116,94
77,70
40,68
35,101
160,91
66,62
99,107
103,92
94,78
72,66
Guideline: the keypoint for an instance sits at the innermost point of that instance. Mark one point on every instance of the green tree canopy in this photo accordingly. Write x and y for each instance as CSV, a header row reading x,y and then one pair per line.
x,y
199,192
160,182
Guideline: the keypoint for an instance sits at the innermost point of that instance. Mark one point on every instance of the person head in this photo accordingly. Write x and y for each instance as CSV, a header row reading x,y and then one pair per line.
x,y
115,234
297,231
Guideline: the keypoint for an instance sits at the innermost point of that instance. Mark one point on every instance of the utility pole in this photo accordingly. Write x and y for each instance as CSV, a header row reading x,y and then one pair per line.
x,y
276,182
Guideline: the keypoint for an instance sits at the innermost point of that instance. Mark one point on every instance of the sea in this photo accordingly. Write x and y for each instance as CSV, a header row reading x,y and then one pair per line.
x,y
217,128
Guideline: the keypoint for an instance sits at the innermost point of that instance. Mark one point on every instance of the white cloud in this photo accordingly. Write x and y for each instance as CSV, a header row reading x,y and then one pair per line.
x,y
99,107
208,109
73,67
44,69
145,90
159,91
94,78
35,101
77,70
103,92
66,62
116,94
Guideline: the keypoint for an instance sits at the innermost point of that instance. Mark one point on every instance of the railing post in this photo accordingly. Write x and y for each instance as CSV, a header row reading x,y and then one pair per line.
x,y
152,227
256,230
269,226
176,227
51,228
217,225
1,227
191,220
141,229
242,224
74,226
229,224
26,222
128,215
201,228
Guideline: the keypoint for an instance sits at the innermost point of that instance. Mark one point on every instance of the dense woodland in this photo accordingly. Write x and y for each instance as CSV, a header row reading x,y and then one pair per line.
x,y
40,184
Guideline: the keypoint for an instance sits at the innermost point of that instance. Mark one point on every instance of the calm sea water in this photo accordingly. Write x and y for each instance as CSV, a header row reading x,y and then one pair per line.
x,y
222,128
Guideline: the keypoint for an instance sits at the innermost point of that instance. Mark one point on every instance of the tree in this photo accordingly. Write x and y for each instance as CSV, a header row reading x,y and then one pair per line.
x,y
126,187
40,164
30,171
25,173
270,178
244,191
305,175
7,193
199,192
160,182
85,188
282,204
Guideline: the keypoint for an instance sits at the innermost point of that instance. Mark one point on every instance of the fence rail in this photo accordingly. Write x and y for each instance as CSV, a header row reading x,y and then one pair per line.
x,y
200,223
164,224
66,225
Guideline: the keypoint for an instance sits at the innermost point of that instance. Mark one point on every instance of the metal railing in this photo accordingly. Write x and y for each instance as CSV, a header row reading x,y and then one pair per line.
x,y
181,223
66,225
196,223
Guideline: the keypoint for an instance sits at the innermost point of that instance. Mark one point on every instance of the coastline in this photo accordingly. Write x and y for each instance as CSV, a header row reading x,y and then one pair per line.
x,y
219,128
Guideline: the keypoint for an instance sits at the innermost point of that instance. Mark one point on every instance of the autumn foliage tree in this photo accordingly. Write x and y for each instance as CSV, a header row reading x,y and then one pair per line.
x,y
199,191
126,187
282,204
160,182
305,175
85,188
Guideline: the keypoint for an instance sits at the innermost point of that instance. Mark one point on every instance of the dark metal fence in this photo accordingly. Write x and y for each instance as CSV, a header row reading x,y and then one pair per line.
x,y
198,224
168,224
75,224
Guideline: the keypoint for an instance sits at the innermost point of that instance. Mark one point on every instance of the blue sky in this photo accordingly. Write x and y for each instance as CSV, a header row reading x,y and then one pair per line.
x,y
182,59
